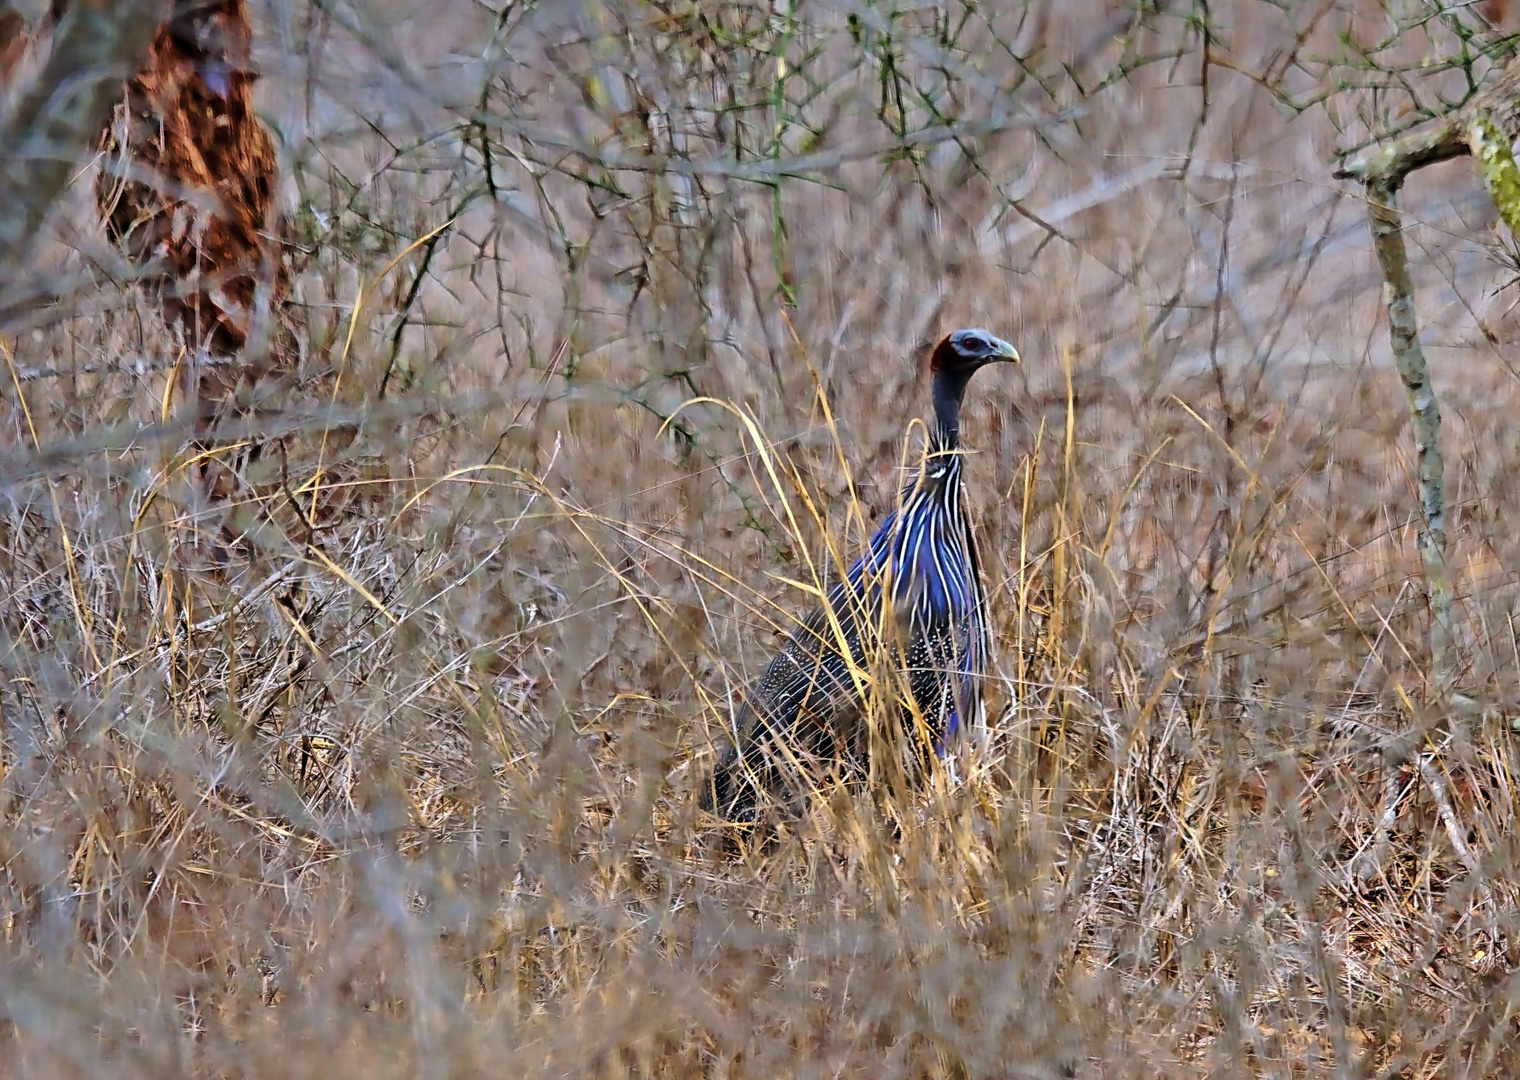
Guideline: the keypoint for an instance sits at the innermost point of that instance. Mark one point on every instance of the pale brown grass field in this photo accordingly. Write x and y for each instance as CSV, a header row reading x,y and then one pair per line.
x,y
386,766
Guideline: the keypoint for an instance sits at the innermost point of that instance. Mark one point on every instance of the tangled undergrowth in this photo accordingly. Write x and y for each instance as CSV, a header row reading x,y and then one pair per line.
x,y
385,763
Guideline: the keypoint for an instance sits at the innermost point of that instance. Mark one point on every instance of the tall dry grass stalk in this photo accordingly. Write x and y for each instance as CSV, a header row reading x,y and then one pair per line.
x,y
402,782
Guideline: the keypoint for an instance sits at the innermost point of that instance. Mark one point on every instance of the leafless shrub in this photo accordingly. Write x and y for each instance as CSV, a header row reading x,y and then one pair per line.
x,y
402,780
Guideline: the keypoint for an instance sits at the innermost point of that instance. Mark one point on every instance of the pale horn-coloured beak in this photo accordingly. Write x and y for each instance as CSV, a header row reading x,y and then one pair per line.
x,y
1001,350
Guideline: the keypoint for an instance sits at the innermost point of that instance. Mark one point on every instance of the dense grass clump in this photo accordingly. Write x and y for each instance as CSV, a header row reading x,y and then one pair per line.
x,y
379,756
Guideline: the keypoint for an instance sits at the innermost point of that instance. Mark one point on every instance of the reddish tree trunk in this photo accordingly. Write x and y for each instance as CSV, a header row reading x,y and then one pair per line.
x,y
199,194
14,38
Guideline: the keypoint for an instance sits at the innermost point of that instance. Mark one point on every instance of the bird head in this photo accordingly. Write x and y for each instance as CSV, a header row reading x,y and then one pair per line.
x,y
967,350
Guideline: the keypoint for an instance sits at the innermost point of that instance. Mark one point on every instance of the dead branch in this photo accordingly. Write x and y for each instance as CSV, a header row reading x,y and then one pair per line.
x,y
1392,161
1484,129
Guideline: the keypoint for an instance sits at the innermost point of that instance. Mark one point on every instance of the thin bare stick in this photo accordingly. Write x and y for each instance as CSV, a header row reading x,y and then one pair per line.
x,y
1454,831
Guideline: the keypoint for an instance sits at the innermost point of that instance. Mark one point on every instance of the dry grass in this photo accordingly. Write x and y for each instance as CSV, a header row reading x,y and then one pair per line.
x,y
386,764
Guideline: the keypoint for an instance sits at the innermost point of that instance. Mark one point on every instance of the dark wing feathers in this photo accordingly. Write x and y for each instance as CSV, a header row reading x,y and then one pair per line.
x,y
806,705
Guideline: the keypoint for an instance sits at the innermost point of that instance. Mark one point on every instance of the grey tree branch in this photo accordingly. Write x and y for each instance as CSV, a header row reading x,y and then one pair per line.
x,y
1393,160
1484,129
97,44
1425,410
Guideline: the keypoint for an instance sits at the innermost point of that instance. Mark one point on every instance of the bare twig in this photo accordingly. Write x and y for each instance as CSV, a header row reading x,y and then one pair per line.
x,y
1454,830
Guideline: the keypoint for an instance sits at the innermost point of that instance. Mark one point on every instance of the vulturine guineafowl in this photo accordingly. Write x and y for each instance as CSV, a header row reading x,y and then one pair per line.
x,y
807,707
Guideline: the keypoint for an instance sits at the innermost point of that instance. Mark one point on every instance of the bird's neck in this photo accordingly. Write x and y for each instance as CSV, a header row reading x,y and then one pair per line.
x,y
948,390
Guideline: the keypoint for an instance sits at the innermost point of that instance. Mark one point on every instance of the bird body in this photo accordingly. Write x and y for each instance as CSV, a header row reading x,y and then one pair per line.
x,y
916,593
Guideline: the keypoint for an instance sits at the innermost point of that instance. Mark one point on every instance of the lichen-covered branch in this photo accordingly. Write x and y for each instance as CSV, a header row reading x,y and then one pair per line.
x,y
59,118
1404,333
1490,147
1497,108
1395,159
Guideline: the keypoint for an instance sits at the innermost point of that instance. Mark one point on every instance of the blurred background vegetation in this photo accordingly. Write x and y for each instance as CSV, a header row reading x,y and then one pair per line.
x,y
357,731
